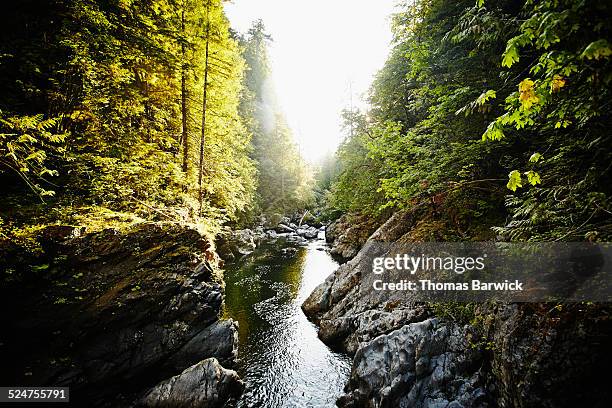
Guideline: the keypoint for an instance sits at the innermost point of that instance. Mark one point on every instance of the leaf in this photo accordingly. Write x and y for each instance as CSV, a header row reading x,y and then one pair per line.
x,y
485,96
535,158
527,96
533,178
597,50
557,83
510,56
514,180
494,132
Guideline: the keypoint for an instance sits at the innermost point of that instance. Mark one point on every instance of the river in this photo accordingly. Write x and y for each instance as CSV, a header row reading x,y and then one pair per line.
x,y
281,359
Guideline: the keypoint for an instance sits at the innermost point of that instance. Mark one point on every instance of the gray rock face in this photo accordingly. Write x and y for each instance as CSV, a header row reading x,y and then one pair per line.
x,y
134,308
235,244
203,385
518,355
348,234
308,232
348,317
425,364
220,340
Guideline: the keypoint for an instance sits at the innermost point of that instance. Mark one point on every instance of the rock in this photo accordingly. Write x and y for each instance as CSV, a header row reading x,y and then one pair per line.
x,y
295,239
308,232
311,233
235,244
419,365
544,358
349,233
290,251
58,233
516,355
344,250
112,310
271,234
204,385
219,339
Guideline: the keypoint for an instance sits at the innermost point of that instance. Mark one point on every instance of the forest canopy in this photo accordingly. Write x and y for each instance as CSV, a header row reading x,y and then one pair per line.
x,y
495,115
123,110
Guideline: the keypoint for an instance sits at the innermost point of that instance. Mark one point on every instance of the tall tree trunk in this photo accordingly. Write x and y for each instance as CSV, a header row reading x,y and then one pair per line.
x,y
184,140
204,100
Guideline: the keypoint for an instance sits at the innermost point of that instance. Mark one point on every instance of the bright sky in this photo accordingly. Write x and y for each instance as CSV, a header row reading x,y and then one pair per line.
x,y
319,48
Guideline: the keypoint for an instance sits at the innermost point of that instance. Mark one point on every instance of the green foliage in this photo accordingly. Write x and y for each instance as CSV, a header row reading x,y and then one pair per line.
x,y
94,104
25,144
284,181
514,180
462,313
532,79
570,60
414,141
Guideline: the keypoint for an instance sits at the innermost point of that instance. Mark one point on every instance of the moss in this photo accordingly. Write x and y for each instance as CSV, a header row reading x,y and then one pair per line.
x,y
462,313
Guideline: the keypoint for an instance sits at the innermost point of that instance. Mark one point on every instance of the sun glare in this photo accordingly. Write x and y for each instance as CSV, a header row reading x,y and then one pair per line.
x,y
324,55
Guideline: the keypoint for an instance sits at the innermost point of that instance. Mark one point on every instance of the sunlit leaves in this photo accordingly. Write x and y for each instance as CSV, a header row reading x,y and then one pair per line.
x,y
480,104
511,55
25,144
495,131
514,180
535,158
557,83
597,50
527,96
533,178
484,97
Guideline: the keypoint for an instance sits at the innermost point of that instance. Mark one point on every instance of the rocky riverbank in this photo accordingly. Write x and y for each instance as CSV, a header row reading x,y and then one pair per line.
x,y
111,314
349,233
232,245
430,355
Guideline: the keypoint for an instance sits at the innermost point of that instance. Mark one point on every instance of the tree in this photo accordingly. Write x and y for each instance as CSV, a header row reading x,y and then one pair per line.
x,y
284,181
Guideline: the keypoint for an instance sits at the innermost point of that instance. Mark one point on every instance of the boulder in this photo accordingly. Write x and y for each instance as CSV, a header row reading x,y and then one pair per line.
x,y
235,244
308,232
271,234
290,251
311,233
220,340
422,364
203,385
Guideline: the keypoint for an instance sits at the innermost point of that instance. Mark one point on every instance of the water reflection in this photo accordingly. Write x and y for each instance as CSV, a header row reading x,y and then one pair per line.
x,y
281,359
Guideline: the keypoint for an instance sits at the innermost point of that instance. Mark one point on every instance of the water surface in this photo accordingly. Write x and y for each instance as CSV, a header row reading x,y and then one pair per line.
x,y
281,359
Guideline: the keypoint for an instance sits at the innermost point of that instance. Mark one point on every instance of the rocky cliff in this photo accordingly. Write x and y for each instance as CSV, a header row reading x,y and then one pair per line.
x,y
348,234
111,314
414,354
